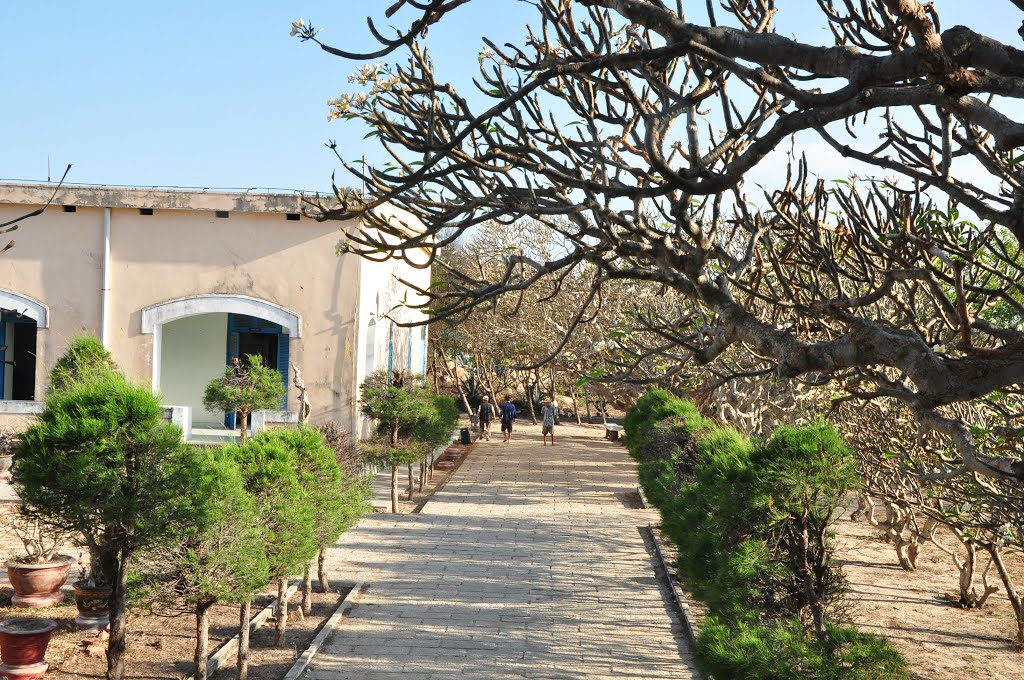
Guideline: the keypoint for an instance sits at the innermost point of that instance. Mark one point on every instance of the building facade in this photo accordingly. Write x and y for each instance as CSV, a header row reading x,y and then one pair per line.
x,y
178,283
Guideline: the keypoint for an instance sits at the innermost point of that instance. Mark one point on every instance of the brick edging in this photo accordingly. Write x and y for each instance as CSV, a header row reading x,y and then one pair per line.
x,y
307,656
689,626
217,661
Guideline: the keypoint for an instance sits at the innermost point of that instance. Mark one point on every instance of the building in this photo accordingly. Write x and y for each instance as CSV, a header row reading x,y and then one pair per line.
x,y
177,283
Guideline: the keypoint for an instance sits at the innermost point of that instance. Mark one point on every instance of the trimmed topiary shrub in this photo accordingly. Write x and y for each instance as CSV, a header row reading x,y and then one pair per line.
x,y
85,358
751,522
245,387
784,650
101,462
657,406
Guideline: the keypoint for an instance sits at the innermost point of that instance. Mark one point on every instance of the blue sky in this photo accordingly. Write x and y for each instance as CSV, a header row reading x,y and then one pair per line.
x,y
218,95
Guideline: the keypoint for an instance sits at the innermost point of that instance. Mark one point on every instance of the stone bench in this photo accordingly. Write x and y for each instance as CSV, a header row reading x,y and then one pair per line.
x,y
611,431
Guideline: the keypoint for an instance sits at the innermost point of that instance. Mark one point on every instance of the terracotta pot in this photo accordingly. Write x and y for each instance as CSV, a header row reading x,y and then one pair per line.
x,y
23,643
38,585
92,602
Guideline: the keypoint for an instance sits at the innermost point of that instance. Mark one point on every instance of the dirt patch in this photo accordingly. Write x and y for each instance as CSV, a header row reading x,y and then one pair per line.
x,y
162,646
940,640
436,479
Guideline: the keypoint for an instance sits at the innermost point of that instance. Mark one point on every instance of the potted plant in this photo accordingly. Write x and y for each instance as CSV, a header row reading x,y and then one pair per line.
x,y
92,598
23,642
37,576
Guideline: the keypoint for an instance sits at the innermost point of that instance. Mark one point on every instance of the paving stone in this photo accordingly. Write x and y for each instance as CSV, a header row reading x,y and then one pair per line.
x,y
525,565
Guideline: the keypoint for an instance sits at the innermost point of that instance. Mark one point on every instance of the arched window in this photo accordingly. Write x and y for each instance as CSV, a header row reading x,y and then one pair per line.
x,y
20,319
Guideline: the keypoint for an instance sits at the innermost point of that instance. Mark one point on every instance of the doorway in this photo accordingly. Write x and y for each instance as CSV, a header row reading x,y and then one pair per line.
x,y
17,357
263,345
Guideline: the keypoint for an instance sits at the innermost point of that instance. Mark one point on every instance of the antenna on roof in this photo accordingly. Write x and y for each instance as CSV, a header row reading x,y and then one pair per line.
x,y
47,168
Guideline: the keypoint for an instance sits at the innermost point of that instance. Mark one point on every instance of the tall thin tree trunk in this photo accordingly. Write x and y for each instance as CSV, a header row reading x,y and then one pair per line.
x,y
243,640
282,611
117,645
244,417
394,489
1011,593
202,637
423,472
411,489
586,400
529,401
321,570
307,590
453,375
575,405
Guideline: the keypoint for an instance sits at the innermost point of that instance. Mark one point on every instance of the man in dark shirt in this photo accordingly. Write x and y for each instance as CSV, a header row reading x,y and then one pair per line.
x,y
508,414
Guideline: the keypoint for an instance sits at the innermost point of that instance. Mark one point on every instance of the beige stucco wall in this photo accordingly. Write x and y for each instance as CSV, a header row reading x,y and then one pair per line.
x,y
56,259
292,264
184,249
175,253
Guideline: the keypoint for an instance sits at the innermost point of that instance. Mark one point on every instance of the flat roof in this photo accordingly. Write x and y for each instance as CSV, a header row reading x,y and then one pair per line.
x,y
86,196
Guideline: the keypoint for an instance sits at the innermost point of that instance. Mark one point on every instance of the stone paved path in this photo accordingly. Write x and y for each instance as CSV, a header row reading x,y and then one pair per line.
x,y
527,564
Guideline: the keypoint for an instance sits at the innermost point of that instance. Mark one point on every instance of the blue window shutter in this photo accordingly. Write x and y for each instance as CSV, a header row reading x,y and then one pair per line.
x,y
232,353
391,350
282,363
409,360
423,350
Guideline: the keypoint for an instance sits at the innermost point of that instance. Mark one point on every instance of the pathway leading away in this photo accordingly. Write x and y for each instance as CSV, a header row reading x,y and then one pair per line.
x,y
527,564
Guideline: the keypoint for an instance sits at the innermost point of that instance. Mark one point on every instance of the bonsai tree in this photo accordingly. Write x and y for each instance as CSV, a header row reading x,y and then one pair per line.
x,y
220,560
336,507
85,358
102,462
436,429
354,490
398,405
245,388
269,464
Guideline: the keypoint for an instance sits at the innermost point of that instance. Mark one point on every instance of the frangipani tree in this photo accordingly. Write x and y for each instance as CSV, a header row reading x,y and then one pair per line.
x,y
592,125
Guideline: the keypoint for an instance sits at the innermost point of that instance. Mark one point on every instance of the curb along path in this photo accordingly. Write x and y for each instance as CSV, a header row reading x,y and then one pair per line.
x,y
528,564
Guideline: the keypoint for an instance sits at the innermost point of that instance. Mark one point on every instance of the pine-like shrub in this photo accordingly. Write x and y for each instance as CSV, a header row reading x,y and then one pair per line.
x,y
85,358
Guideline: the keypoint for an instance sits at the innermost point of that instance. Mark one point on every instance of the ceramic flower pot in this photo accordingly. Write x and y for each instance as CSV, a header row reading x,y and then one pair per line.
x,y
92,602
38,584
23,643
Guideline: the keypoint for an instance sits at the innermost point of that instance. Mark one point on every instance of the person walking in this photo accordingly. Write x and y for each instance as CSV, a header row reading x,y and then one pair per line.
x,y
485,414
547,414
508,414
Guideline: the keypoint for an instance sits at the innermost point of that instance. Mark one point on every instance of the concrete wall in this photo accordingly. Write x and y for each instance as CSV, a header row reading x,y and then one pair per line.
x,y
189,251
193,353
57,259
172,254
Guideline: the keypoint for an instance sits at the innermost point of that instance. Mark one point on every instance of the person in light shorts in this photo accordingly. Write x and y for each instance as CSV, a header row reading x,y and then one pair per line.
x,y
485,414
547,414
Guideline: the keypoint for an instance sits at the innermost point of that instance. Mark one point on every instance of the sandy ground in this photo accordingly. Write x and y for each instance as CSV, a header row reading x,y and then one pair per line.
x,y
940,640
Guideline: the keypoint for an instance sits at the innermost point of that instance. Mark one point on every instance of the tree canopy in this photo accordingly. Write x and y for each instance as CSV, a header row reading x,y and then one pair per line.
x,y
627,129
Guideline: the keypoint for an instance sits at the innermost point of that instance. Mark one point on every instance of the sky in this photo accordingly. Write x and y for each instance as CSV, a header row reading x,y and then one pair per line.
x,y
217,95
